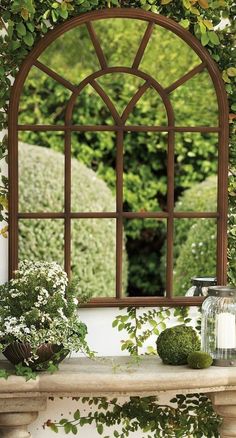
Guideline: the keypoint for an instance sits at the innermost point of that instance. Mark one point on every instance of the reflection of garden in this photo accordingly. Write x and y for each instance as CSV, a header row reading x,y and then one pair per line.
x,y
145,158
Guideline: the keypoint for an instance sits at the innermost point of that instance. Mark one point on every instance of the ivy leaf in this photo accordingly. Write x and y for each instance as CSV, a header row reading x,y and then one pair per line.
x,y
214,39
53,427
63,13
77,415
187,4
28,39
10,28
194,10
30,26
204,4
205,39
202,27
231,71
15,44
21,29
208,24
74,429
25,13
225,77
100,429
185,23
67,428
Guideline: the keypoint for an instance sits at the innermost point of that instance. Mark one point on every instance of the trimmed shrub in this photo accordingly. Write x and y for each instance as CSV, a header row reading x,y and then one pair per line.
x,y
93,240
195,239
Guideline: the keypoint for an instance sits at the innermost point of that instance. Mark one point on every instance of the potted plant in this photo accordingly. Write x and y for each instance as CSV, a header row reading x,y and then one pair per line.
x,y
38,316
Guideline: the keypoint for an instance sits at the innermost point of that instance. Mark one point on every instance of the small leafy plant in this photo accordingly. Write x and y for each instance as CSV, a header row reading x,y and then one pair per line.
x,y
38,307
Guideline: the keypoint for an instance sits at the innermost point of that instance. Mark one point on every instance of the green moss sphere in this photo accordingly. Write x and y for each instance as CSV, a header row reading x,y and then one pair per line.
x,y
176,343
199,360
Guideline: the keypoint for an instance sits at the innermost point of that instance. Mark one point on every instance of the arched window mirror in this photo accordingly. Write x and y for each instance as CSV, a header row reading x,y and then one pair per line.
x,y
113,115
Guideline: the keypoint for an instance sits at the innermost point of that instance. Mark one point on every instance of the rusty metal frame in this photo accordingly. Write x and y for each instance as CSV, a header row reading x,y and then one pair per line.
x,y
120,127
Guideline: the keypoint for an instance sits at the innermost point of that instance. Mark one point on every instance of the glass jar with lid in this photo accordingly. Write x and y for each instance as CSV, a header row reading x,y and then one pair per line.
x,y
200,286
219,325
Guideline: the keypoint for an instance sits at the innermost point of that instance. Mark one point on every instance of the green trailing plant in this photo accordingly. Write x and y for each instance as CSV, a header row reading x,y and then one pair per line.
x,y
186,416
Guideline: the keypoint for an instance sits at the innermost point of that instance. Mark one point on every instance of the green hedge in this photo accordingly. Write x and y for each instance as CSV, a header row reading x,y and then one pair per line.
x,y
93,240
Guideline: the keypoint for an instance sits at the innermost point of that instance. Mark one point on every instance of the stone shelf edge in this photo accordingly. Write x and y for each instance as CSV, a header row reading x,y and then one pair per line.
x,y
21,401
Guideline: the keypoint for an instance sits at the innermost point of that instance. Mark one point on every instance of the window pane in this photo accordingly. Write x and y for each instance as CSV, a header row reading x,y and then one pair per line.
x,y
196,162
120,39
149,110
90,109
195,102
93,172
72,55
145,171
145,247
167,57
93,260
41,172
120,88
41,239
194,252
43,101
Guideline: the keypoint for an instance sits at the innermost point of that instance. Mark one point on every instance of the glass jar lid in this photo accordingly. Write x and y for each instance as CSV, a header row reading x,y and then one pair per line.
x,y
222,291
203,281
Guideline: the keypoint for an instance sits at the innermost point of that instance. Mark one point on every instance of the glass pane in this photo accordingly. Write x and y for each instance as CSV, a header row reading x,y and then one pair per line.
x,y
194,252
120,39
43,101
93,260
41,172
195,102
145,171
149,110
120,88
196,162
93,172
41,239
90,109
167,57
72,55
145,247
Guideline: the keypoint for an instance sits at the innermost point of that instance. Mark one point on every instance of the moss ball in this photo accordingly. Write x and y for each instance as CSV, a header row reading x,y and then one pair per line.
x,y
199,360
176,343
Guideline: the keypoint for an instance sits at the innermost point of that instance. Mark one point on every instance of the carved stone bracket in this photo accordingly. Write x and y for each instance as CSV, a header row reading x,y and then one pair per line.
x,y
16,414
225,405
